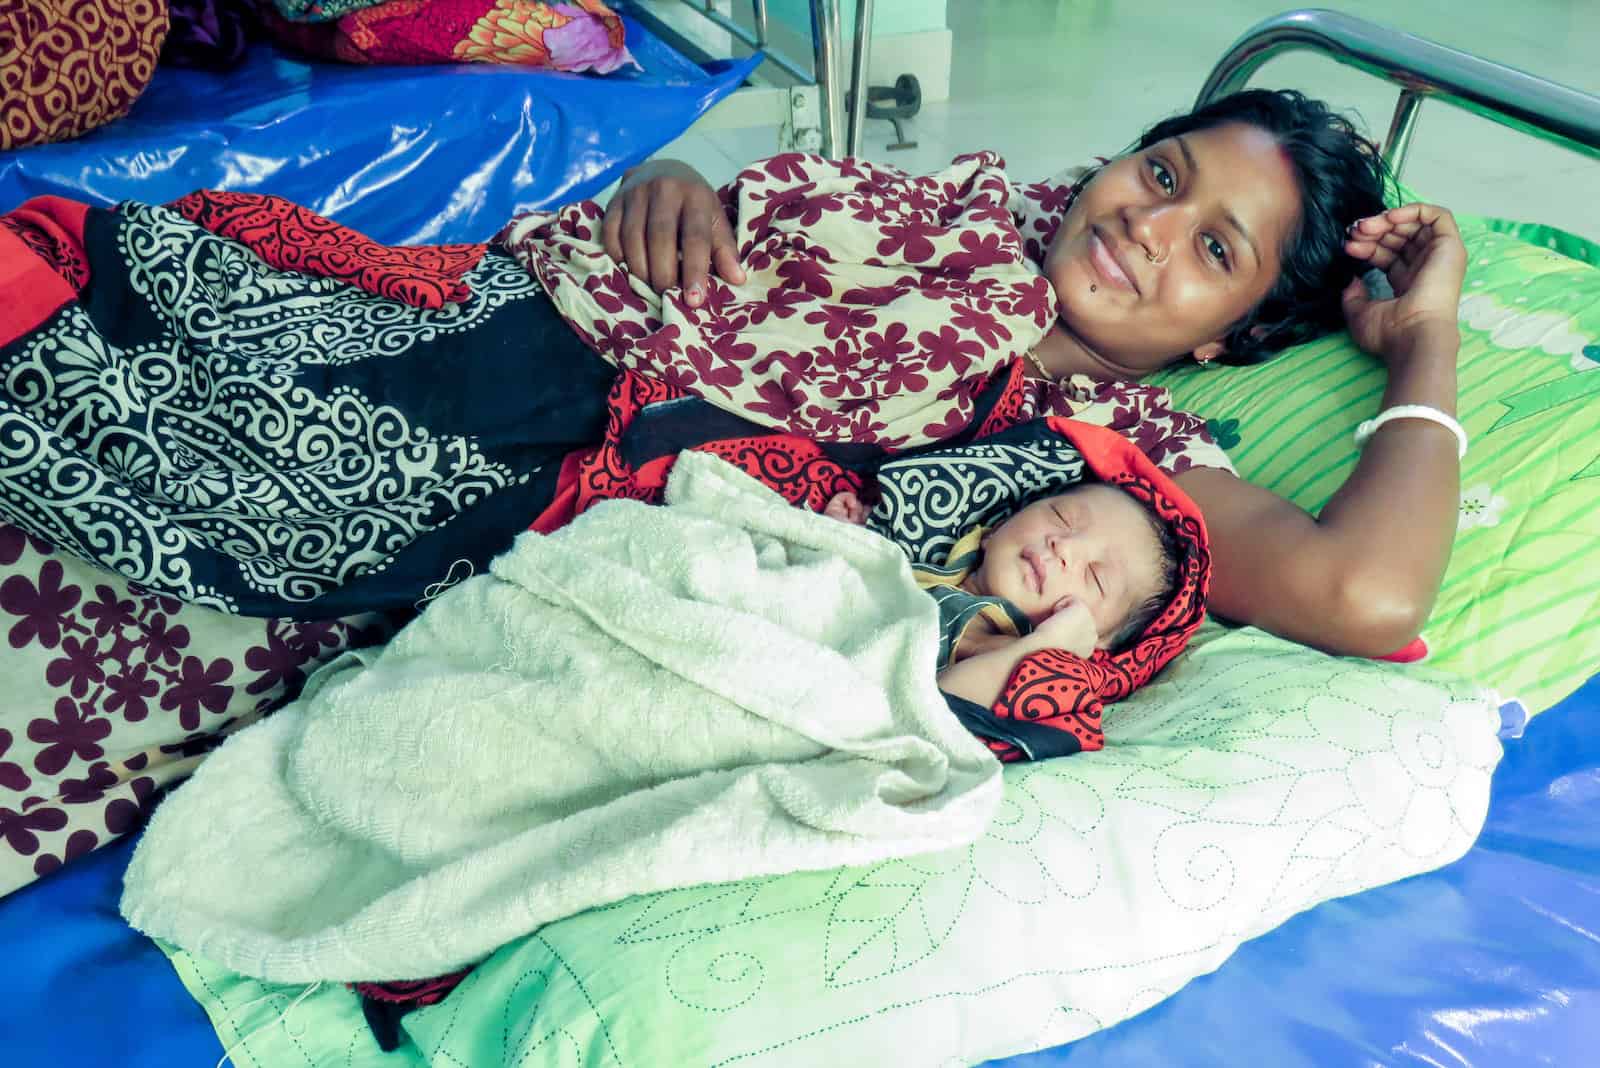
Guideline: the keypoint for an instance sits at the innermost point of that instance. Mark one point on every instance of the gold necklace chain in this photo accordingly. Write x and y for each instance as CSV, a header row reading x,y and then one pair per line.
x,y
1033,358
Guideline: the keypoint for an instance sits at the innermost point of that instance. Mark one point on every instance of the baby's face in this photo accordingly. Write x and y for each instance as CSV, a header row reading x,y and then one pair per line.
x,y
1093,544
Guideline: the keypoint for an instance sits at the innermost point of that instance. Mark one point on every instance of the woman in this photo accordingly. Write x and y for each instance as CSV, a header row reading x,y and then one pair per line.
x,y
1222,236
272,444
239,406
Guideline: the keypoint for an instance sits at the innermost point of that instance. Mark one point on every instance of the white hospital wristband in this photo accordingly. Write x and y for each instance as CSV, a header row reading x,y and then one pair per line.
x,y
1413,411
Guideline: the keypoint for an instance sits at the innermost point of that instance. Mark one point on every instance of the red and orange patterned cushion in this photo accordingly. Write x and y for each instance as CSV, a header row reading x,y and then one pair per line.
x,y
583,35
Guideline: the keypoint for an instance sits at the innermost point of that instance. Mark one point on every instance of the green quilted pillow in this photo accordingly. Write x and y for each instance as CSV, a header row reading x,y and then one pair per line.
x,y
1253,779
1521,599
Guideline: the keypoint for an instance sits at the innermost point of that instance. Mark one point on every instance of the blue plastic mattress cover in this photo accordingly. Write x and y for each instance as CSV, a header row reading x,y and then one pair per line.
x,y
1492,962
406,155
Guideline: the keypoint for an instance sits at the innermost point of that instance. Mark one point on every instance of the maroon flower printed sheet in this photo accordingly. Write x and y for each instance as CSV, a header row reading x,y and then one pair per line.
x,y
112,692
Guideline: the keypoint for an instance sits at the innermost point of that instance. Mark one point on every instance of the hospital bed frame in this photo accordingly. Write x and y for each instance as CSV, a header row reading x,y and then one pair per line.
x,y
818,113
1422,70
808,100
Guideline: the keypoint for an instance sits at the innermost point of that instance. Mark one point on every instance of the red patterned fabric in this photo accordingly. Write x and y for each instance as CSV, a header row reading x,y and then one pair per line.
x,y
293,238
797,469
43,264
1012,406
580,35
66,68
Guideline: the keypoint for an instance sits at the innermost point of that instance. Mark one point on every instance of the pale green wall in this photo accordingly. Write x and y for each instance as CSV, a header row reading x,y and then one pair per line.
x,y
888,16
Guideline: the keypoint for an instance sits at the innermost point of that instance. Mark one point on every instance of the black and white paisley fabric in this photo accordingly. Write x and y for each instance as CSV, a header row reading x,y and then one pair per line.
x,y
270,443
929,499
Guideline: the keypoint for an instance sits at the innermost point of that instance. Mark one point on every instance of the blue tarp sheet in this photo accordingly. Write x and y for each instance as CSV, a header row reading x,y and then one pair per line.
x,y
406,155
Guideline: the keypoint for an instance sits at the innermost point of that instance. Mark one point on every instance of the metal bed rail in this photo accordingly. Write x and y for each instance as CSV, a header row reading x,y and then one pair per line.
x,y
816,112
1423,70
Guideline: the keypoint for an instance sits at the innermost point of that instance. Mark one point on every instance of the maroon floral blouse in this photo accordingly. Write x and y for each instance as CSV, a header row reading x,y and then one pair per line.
x,y
876,306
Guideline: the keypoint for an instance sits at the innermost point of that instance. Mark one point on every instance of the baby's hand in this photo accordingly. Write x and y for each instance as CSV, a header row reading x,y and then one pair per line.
x,y
982,678
1069,628
847,508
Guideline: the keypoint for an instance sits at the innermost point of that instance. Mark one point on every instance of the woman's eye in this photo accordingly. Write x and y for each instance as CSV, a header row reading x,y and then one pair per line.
x,y
1163,177
1217,250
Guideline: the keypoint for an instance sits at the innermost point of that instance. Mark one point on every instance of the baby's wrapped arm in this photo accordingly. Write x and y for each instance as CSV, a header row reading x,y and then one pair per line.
x,y
982,676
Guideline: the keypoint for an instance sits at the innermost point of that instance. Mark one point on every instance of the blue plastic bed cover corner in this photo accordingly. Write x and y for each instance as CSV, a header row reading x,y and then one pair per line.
x,y
403,154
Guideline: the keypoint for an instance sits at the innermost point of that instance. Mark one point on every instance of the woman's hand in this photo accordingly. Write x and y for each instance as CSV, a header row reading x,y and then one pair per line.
x,y
667,224
1418,247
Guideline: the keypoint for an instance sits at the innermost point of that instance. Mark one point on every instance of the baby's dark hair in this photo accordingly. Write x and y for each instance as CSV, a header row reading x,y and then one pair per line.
x,y
1340,176
1144,613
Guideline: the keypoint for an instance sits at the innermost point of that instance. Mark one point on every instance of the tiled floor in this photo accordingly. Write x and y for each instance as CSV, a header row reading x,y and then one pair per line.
x,y
1049,83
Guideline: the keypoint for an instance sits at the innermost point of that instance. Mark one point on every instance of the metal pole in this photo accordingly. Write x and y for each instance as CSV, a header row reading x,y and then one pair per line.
x,y
858,76
825,40
1545,109
761,22
1398,143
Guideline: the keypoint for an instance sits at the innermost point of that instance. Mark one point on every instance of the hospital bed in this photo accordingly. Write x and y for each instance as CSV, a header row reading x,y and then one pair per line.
x,y
1490,962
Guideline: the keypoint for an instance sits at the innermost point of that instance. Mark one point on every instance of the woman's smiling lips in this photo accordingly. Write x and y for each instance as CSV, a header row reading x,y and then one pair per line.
x,y
1107,263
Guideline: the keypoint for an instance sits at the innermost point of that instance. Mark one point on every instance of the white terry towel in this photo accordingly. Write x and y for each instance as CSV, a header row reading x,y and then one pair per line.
x,y
651,698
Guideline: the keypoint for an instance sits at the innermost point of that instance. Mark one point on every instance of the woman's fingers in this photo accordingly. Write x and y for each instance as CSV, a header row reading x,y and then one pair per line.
x,y
611,226
1370,227
634,252
1371,239
662,234
1371,251
668,231
1427,214
725,249
696,251
1394,240
707,242
1402,235
1398,221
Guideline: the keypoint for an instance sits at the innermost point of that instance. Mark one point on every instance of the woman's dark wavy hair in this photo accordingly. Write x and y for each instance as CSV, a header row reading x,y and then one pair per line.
x,y
1341,179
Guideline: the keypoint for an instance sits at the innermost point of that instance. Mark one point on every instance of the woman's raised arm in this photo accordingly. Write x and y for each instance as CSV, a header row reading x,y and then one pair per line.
x,y
1361,576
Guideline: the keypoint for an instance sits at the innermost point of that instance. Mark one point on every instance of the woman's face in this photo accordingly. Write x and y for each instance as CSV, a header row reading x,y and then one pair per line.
x,y
1166,248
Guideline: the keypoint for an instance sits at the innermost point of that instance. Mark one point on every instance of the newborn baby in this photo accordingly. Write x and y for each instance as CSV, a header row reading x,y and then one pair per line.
x,y
1082,570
